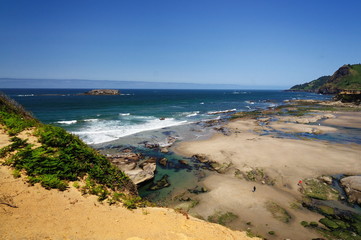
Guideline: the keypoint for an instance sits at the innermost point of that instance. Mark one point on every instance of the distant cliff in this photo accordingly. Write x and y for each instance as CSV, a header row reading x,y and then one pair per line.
x,y
347,77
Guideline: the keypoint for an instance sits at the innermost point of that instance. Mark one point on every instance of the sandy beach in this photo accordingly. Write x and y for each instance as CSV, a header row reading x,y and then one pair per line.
x,y
284,161
32,212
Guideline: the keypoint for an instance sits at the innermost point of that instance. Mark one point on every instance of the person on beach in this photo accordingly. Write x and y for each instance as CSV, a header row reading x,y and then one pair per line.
x,y
254,189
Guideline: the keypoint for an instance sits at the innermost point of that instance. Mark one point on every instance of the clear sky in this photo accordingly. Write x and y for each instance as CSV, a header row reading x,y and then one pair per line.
x,y
250,42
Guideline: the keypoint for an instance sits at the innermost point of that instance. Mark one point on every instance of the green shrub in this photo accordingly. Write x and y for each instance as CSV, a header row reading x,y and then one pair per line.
x,y
51,181
16,173
62,157
76,185
132,202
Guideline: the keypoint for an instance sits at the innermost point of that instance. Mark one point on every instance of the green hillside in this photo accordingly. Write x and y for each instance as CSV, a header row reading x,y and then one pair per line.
x,y
347,77
61,158
312,86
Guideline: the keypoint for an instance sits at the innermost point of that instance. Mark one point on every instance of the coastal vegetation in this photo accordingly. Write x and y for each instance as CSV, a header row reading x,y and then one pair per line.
x,y
347,77
58,157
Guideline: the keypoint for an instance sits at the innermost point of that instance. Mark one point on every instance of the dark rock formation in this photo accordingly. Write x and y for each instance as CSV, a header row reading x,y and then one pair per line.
x,y
200,158
198,190
102,92
162,183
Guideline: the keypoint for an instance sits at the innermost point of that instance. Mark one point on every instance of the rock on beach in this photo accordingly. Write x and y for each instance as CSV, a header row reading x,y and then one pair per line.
x,y
352,186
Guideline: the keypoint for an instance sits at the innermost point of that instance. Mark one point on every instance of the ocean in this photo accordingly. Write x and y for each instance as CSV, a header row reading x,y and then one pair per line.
x,y
102,119
112,123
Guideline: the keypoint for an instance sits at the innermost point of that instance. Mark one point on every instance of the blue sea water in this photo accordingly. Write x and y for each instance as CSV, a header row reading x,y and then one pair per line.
x,y
101,119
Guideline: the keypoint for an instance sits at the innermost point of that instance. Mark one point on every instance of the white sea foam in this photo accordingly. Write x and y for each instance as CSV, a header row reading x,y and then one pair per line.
x,y
124,114
249,102
67,122
202,103
108,130
25,95
91,120
192,114
224,111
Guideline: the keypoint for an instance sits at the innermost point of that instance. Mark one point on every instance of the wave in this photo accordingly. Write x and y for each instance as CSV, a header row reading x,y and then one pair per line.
x,y
25,95
124,114
224,111
109,130
67,122
91,120
249,102
193,114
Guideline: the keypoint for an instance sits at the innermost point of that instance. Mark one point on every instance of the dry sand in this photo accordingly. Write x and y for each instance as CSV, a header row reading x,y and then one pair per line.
x,y
285,160
32,212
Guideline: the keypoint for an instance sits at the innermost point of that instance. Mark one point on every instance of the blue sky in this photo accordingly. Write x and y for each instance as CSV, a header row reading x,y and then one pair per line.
x,y
251,43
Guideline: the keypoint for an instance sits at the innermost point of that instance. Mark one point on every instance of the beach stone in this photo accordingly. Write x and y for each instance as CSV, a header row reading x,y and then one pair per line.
x,y
163,162
183,162
164,150
198,190
142,175
201,158
326,179
151,145
162,183
352,186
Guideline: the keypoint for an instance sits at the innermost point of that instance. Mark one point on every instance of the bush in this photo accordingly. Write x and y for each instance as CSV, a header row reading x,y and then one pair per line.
x,y
51,181
16,173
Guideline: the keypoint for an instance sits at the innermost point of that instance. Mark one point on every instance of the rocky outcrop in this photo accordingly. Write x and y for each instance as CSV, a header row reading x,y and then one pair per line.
x,y
98,92
162,183
352,186
134,165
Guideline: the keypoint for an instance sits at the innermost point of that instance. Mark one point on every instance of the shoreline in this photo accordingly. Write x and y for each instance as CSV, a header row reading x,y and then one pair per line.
x,y
283,160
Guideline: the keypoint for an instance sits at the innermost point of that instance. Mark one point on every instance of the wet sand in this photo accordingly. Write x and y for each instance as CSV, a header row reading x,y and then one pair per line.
x,y
286,161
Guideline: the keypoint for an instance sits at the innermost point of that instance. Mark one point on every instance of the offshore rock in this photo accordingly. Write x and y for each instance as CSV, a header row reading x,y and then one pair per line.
x,y
98,92
352,186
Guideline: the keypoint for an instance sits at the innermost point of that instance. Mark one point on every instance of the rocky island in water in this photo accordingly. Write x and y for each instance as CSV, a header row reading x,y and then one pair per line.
x,y
98,92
